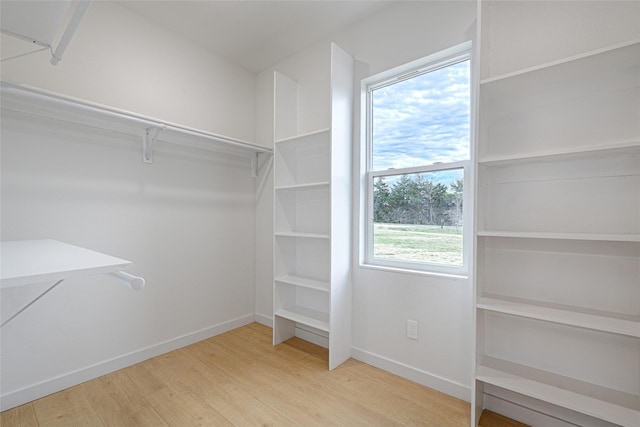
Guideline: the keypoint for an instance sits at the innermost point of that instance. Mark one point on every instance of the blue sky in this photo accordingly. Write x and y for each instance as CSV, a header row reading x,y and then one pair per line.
x,y
422,120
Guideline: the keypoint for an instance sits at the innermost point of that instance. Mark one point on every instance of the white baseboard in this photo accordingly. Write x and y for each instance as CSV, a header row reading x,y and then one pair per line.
x,y
312,335
263,319
427,379
53,385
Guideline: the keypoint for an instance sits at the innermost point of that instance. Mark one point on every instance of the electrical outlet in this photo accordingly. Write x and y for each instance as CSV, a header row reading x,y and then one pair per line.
x,y
412,329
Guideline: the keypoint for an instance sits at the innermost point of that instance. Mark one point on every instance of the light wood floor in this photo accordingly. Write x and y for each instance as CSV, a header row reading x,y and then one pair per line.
x,y
240,379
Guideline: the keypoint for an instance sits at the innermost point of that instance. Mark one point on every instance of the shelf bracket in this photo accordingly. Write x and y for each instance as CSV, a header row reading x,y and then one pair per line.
x,y
257,163
148,139
31,303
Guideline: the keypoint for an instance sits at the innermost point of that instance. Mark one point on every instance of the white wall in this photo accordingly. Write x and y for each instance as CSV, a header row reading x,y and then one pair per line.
x,y
187,221
383,301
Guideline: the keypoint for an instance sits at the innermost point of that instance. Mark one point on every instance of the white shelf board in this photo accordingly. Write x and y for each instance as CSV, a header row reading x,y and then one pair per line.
x,y
307,186
622,147
302,235
312,318
576,63
304,283
24,262
561,236
302,136
592,406
566,317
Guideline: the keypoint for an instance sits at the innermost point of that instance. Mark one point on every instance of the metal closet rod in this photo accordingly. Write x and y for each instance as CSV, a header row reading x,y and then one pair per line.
x,y
43,95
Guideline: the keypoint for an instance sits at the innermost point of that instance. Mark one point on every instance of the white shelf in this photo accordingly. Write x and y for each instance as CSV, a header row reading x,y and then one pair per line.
x,y
302,235
598,322
306,186
599,402
304,283
305,316
573,65
561,236
308,135
553,155
25,262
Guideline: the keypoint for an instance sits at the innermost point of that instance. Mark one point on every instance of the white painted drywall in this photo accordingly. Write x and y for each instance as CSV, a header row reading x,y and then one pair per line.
x,y
187,221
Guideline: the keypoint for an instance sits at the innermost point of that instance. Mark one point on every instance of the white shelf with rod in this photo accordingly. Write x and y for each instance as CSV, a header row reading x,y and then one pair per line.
x,y
557,275
27,262
33,101
312,293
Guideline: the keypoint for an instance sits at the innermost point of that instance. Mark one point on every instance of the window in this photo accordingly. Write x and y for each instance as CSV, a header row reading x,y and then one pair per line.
x,y
418,154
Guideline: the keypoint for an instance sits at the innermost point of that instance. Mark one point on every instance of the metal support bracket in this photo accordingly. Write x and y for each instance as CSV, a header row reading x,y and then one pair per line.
x,y
31,303
148,139
257,163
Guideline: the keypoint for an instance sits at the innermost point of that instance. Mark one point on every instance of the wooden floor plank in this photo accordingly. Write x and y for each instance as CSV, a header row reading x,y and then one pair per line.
x,y
240,379
69,407
234,403
117,401
22,416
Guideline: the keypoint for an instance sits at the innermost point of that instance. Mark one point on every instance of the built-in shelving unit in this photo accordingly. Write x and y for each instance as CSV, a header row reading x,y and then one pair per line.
x,y
558,237
312,290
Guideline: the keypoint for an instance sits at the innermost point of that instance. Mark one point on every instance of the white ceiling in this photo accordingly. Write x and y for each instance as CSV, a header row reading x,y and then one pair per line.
x,y
255,34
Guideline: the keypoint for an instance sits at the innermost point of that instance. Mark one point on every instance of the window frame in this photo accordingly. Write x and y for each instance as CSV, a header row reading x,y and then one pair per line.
x,y
445,58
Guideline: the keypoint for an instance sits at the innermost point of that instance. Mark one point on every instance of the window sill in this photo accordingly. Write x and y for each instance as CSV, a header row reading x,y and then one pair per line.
x,y
455,276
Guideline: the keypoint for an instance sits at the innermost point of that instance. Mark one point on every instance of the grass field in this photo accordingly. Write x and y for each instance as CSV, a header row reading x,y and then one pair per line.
x,y
425,243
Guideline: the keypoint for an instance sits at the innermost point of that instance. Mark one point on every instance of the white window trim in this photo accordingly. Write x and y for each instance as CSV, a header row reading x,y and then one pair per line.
x,y
367,260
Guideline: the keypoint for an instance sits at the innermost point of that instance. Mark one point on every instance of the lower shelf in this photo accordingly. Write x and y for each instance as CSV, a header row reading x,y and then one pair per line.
x,y
305,316
596,401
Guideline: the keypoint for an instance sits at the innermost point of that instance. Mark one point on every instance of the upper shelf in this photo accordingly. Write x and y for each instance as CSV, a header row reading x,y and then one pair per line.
x,y
24,262
629,147
624,55
42,103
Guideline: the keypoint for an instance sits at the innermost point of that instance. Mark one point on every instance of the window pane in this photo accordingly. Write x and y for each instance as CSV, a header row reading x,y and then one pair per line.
x,y
422,120
418,217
